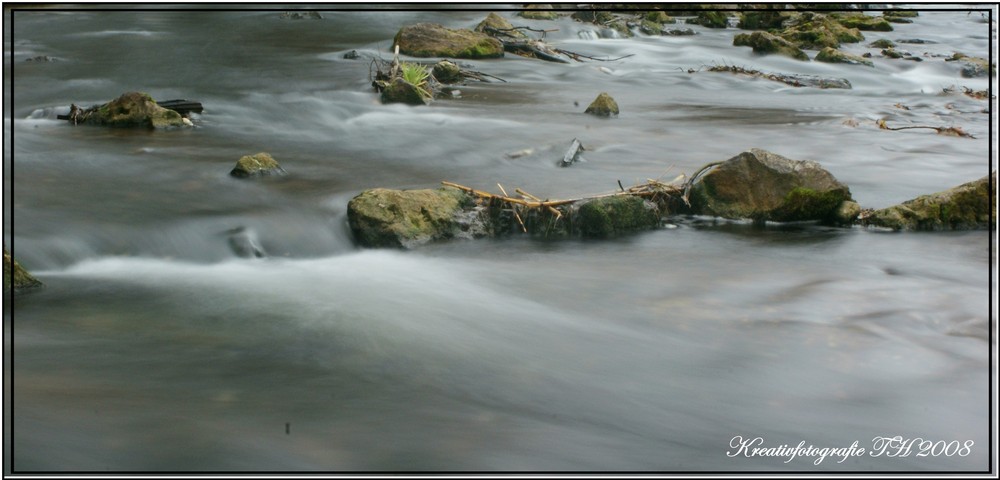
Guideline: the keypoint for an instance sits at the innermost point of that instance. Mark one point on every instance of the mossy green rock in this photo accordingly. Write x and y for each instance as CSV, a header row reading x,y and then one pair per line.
x,y
832,55
965,207
433,40
650,27
974,66
764,43
863,22
258,165
401,91
135,109
711,19
659,17
882,43
764,186
900,13
497,22
447,72
603,106
383,217
16,277
538,12
762,19
612,216
816,31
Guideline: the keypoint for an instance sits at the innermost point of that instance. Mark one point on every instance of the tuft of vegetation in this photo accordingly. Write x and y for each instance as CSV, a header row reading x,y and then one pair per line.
x,y
414,74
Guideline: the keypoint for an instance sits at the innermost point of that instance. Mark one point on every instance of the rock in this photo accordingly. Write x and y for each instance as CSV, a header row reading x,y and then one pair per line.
x,y
134,109
258,165
863,22
538,12
41,58
616,27
882,43
973,66
815,31
898,20
764,43
650,27
401,91
899,54
847,213
900,13
603,106
497,22
447,72
16,277
964,207
352,55
612,216
679,31
762,19
764,186
433,40
244,244
832,55
710,19
658,16
382,217
593,16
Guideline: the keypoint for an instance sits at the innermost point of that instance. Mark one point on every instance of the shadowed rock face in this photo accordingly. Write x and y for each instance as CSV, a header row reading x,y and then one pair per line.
x,y
135,109
964,207
764,186
433,40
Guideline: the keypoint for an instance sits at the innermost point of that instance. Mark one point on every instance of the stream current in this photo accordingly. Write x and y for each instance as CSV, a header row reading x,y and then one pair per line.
x,y
154,347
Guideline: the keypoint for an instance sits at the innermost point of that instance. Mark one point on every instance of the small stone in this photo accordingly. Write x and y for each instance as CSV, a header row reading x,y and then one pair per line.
x,y
261,164
603,106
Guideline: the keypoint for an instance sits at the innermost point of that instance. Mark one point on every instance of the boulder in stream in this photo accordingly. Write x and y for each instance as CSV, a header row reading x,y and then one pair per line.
x,y
258,165
401,91
15,277
832,55
965,207
764,186
863,22
132,109
433,40
382,217
815,31
603,106
764,43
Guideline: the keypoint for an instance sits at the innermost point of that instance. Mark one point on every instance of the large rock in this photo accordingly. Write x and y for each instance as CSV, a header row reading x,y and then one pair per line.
x,y
433,40
382,217
613,216
764,43
863,22
258,165
964,207
134,109
16,277
815,31
764,186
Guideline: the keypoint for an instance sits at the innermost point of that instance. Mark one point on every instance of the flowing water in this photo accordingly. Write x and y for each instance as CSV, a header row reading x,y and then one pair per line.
x,y
154,346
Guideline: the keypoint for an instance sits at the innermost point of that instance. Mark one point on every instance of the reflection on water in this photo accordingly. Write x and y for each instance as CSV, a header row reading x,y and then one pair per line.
x,y
156,346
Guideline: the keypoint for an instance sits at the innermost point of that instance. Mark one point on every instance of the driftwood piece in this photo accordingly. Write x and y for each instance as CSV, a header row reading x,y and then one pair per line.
x,y
573,154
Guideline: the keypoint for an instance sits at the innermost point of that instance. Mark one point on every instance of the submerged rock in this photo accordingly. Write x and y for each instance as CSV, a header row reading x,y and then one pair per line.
x,y
965,207
16,277
764,186
832,55
433,40
383,217
603,106
132,109
612,216
764,43
258,165
244,244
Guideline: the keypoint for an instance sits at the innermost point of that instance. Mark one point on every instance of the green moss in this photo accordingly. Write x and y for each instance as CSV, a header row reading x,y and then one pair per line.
x,y
832,55
966,206
711,19
538,15
659,17
882,43
816,31
402,218
650,27
603,106
765,43
863,22
807,204
761,19
611,216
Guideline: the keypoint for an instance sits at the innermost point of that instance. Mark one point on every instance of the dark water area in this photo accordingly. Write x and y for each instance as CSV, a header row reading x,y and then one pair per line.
x,y
154,347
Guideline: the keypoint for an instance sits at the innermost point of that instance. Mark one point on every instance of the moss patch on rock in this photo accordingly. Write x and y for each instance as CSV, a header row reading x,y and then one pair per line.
x,y
965,207
433,40
832,55
401,91
612,216
710,19
764,43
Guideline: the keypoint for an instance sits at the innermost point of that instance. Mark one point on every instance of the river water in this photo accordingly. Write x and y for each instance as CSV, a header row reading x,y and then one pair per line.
x,y
155,347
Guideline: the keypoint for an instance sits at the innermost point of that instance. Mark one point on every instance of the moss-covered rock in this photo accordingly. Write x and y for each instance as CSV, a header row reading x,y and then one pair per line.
x,y
762,19
832,55
764,186
882,43
603,106
900,13
16,277
593,16
612,216
433,40
134,109
965,207
447,72
382,217
710,19
861,21
538,12
496,22
259,165
974,67
764,43
650,27
401,91
816,31
660,17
